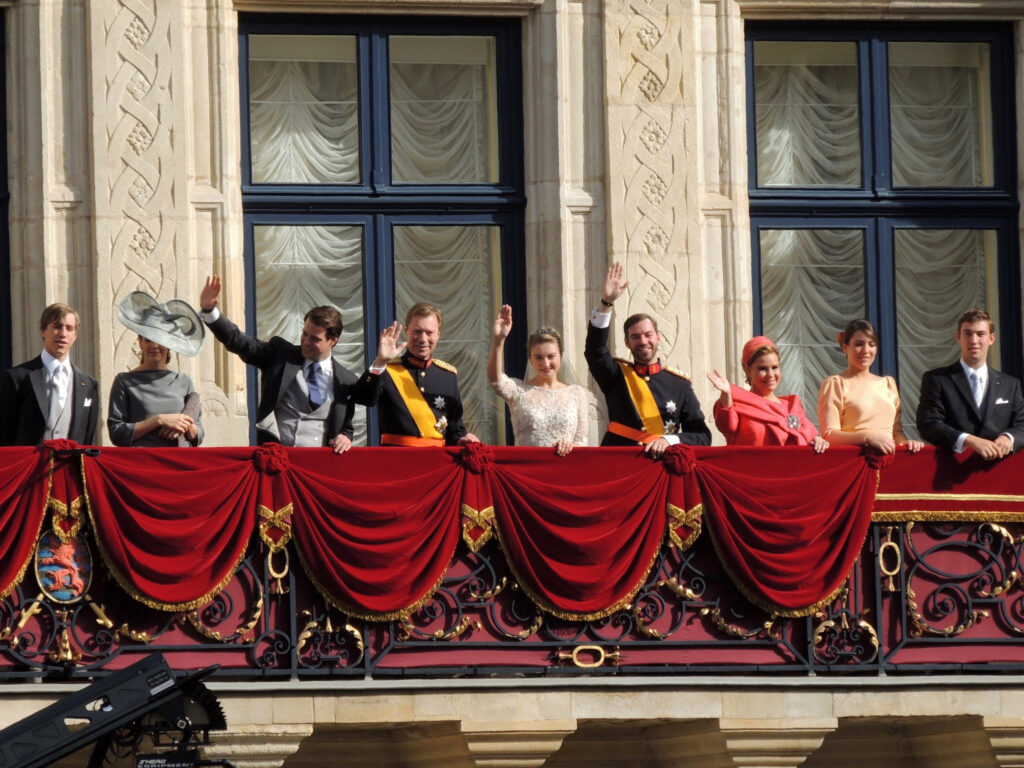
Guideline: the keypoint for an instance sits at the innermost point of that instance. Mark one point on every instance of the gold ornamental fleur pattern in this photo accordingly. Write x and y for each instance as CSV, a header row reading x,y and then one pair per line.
x,y
140,152
648,121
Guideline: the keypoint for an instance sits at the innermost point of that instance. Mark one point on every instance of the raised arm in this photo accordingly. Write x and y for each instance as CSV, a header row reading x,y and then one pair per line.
x,y
500,331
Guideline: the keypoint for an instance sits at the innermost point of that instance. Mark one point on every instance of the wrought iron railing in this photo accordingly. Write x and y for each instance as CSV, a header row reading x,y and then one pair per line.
x,y
930,596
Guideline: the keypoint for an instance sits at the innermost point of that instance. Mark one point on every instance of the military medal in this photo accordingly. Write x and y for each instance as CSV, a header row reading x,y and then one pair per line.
x,y
442,424
439,402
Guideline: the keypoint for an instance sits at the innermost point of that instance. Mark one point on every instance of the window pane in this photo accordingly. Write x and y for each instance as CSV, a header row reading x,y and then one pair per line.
x,y
443,110
808,114
457,268
812,285
941,114
301,267
940,273
303,109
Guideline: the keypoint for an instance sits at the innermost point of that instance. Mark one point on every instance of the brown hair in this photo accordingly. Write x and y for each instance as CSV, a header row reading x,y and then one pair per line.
x,y
55,313
857,326
973,316
542,335
634,319
422,309
328,318
760,352
167,359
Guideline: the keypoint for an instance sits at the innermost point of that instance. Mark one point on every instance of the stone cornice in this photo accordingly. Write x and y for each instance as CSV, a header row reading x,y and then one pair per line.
x,y
980,10
445,7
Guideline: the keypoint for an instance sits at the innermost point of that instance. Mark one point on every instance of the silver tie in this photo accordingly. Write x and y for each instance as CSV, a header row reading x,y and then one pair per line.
x,y
977,388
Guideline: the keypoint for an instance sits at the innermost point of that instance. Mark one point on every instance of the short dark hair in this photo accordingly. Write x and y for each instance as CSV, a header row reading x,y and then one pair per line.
x,y
55,313
328,318
634,319
858,326
422,309
973,316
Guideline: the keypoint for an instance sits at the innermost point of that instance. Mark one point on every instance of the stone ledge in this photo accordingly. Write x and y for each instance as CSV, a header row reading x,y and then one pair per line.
x,y
443,7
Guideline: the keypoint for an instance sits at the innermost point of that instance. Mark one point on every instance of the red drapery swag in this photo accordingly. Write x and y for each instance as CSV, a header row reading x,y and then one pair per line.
x,y
376,528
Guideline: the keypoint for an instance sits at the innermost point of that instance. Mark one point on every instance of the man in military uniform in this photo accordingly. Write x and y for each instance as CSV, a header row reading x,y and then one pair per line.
x,y
417,395
649,404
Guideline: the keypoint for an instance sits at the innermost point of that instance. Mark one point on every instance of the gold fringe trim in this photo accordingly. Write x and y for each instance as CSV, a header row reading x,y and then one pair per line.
x,y
359,613
481,518
949,496
545,606
269,518
127,586
777,610
951,516
32,552
690,518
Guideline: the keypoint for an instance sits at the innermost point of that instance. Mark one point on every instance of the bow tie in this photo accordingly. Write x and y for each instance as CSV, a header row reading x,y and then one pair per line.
x,y
647,370
415,362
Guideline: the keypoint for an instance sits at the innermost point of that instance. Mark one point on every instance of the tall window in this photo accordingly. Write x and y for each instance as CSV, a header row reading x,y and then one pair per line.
x,y
382,167
6,319
882,185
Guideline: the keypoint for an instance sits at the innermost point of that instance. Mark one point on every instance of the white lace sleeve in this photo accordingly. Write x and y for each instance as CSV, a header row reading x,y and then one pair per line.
x,y
582,409
508,389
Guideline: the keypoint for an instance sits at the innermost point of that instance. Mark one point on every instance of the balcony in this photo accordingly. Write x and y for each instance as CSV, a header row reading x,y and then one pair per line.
x,y
435,564
502,607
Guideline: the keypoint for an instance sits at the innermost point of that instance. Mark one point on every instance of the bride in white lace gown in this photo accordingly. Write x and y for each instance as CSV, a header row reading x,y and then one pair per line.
x,y
545,411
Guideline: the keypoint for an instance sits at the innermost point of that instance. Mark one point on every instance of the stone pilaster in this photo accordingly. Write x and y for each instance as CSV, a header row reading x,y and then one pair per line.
x,y
764,743
166,207
525,744
257,746
1006,736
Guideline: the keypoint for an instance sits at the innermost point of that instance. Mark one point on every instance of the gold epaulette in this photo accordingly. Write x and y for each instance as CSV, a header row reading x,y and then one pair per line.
x,y
674,372
620,360
445,366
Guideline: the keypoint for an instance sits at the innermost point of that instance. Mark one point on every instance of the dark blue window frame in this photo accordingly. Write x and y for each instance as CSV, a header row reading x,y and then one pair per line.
x,y
376,201
876,202
6,312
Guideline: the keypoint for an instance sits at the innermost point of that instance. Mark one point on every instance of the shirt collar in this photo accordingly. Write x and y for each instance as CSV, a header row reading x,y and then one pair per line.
x,y
325,366
647,370
50,363
415,362
981,370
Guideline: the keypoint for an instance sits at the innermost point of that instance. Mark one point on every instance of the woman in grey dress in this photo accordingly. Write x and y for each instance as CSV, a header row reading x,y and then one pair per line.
x,y
152,405
148,403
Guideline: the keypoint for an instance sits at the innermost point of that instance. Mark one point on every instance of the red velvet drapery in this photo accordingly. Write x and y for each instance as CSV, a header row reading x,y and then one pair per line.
x,y
376,528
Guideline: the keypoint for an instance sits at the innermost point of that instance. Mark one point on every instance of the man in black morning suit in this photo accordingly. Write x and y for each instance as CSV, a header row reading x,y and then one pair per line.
x,y
648,403
307,398
49,398
968,404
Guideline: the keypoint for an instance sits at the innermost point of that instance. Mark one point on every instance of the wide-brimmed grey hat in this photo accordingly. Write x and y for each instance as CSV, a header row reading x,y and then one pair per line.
x,y
174,324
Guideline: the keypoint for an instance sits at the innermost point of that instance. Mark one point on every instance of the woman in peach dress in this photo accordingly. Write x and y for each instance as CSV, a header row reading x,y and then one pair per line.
x,y
856,407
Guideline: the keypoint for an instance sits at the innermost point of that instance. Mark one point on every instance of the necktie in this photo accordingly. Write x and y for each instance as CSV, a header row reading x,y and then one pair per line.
x,y
316,398
977,388
56,397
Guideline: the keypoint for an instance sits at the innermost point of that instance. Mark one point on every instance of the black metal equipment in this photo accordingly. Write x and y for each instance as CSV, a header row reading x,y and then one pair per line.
x,y
145,693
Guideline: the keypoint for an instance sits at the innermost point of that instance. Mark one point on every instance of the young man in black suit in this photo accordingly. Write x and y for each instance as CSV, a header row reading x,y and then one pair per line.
x,y
968,404
48,398
307,398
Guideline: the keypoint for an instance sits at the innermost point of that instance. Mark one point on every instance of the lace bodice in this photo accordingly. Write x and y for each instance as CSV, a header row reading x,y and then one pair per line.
x,y
541,417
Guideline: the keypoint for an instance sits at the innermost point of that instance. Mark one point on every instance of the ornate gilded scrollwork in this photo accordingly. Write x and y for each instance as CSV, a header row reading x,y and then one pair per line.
x,y
844,637
320,642
578,656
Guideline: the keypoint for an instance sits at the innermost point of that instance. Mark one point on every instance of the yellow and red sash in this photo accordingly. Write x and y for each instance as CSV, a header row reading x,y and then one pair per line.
x,y
645,406
420,411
